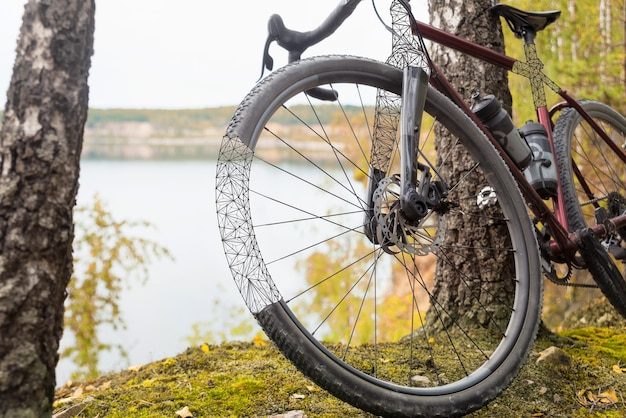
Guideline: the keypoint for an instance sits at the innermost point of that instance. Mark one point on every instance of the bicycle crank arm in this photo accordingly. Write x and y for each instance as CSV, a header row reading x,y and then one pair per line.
x,y
414,90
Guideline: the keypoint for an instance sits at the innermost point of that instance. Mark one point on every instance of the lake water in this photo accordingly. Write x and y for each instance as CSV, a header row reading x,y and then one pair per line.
x,y
178,198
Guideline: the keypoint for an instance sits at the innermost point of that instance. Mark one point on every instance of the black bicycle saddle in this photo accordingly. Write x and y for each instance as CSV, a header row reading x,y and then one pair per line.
x,y
521,21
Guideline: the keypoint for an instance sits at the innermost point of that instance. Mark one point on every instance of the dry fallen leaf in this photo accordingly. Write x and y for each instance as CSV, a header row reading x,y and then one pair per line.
x,y
619,370
78,392
592,397
582,397
106,385
586,397
258,341
609,396
184,413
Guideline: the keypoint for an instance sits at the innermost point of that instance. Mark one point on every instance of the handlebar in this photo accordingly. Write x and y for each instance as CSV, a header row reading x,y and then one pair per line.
x,y
297,42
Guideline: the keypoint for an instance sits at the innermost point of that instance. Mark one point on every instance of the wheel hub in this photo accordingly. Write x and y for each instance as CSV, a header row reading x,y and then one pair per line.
x,y
394,231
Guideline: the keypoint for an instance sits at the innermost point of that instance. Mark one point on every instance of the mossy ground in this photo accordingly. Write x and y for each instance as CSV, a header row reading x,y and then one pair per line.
x,y
248,379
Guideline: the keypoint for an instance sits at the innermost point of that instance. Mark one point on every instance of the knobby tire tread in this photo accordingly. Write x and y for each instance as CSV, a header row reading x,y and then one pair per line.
x,y
599,264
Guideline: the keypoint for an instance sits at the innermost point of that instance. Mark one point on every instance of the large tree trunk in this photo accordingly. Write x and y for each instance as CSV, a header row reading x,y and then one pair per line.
x,y
471,20
40,146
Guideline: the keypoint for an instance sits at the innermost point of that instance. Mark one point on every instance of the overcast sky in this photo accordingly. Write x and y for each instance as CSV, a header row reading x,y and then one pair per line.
x,y
195,53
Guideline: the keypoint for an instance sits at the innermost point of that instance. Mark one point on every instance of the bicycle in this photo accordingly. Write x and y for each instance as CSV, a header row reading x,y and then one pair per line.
x,y
340,255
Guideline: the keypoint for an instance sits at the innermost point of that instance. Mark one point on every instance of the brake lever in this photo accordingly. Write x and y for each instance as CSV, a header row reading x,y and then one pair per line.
x,y
268,61
275,27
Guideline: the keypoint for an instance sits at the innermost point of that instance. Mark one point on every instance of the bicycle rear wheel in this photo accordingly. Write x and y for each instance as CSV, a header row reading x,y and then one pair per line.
x,y
362,313
593,179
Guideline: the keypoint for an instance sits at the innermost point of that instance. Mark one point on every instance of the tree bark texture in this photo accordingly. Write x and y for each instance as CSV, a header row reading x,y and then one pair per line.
x,y
470,19
40,146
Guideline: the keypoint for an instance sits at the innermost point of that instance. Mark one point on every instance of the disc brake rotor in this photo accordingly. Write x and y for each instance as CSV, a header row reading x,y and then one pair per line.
x,y
393,230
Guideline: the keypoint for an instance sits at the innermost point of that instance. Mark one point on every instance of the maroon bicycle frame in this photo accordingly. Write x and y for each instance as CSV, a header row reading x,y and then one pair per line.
x,y
565,242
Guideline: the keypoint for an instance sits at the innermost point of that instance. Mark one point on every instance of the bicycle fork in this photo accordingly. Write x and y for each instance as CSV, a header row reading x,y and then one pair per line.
x,y
414,88
418,192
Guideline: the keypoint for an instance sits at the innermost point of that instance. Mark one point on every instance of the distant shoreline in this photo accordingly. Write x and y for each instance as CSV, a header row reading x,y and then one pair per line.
x,y
151,148
190,149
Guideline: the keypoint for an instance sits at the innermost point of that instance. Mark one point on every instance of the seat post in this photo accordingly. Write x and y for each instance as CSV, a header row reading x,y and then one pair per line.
x,y
530,49
528,34
533,67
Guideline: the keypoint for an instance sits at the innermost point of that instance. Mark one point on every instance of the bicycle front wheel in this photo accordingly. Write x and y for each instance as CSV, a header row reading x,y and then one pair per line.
x,y
593,179
396,317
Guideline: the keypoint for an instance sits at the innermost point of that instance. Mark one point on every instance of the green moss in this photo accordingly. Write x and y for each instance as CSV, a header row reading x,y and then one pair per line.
x,y
609,341
587,413
242,379
168,362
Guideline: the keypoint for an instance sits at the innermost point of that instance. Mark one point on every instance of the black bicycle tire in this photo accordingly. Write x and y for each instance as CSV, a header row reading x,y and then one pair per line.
x,y
599,263
304,351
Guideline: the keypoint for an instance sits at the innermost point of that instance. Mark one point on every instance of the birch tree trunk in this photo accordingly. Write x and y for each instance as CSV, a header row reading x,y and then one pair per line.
x,y
472,20
40,146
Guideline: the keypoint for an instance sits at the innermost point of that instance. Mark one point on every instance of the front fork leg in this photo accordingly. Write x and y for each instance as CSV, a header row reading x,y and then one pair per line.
x,y
414,90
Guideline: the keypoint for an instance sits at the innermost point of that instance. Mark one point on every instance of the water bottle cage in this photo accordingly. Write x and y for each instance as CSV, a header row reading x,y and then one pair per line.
x,y
544,162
